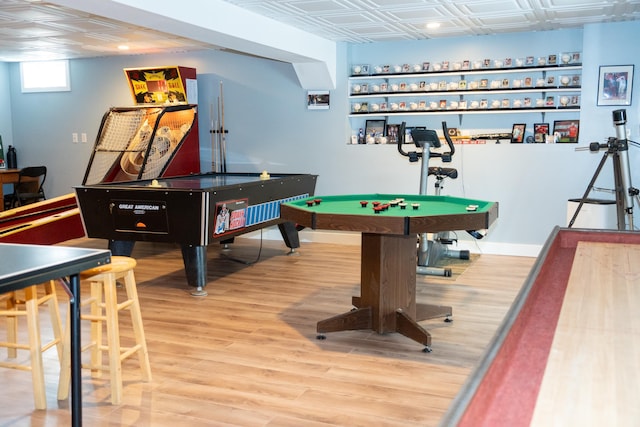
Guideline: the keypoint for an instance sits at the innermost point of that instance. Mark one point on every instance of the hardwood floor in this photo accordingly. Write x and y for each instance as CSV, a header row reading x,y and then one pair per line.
x,y
247,354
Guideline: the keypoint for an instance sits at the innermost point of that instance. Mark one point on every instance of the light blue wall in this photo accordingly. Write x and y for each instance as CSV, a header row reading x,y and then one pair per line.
x,y
270,127
5,115
5,105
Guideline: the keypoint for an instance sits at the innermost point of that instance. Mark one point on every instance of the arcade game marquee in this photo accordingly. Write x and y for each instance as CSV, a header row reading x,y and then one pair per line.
x,y
143,181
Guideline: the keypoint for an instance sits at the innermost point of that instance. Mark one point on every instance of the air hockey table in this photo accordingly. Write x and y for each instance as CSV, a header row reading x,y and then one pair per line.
x,y
194,211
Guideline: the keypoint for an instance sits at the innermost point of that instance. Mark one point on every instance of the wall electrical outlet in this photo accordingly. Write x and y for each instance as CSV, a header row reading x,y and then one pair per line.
x,y
83,137
74,137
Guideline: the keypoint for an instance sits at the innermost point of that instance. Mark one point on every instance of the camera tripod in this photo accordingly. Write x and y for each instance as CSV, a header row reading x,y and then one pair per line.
x,y
618,149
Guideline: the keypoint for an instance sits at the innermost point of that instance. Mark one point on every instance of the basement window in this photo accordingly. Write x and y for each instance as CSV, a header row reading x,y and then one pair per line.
x,y
45,76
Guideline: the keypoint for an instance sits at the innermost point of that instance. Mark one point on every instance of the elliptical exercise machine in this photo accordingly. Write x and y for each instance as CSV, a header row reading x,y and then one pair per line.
x,y
431,251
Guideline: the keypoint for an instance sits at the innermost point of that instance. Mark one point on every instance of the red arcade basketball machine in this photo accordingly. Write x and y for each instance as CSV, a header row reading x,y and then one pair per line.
x,y
158,137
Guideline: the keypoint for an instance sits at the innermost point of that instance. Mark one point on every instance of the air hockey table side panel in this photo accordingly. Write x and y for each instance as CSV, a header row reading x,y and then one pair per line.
x,y
137,212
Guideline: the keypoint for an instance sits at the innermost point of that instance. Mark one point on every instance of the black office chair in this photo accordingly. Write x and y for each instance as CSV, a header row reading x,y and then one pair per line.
x,y
23,190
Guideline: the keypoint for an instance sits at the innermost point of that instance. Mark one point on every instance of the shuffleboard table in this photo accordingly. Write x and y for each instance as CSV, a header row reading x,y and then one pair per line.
x,y
567,351
387,301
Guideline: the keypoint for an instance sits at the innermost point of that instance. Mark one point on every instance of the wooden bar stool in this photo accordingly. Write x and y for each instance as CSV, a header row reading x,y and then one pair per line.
x,y
29,308
103,283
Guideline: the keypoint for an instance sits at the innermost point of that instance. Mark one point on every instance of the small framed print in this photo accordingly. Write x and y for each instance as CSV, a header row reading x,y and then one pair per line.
x,y
566,130
318,100
453,131
614,85
375,127
540,132
392,133
3,163
517,133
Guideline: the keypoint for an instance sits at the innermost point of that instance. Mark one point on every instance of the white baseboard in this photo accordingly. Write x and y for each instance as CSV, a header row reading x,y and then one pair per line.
x,y
353,238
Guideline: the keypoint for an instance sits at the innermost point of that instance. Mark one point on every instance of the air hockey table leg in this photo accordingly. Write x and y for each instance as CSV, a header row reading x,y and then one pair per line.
x,y
195,266
121,247
289,233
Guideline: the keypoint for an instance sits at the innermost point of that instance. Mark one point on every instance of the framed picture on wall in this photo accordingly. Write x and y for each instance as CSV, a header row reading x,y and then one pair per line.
x,y
540,132
566,130
614,85
375,127
318,100
517,133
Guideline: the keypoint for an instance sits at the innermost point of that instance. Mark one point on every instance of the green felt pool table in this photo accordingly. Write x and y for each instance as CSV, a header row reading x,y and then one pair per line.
x,y
387,301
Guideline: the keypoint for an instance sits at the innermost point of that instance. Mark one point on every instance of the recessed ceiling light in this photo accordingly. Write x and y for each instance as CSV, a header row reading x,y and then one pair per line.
x,y
123,47
433,25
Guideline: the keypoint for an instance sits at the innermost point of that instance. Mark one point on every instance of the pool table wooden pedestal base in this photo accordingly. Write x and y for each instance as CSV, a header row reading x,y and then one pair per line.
x,y
387,301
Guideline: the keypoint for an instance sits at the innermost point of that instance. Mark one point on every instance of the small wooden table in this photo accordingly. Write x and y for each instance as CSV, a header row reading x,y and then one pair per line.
x,y
9,176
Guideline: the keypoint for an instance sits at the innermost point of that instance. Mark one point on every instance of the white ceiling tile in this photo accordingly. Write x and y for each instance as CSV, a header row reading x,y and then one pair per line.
x,y
27,25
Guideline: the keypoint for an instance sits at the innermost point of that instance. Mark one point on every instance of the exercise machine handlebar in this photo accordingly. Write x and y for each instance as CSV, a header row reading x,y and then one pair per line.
x,y
426,137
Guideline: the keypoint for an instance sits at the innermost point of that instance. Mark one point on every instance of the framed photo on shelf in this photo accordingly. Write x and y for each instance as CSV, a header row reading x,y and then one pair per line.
x,y
517,133
392,133
540,132
614,85
375,127
408,138
566,130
